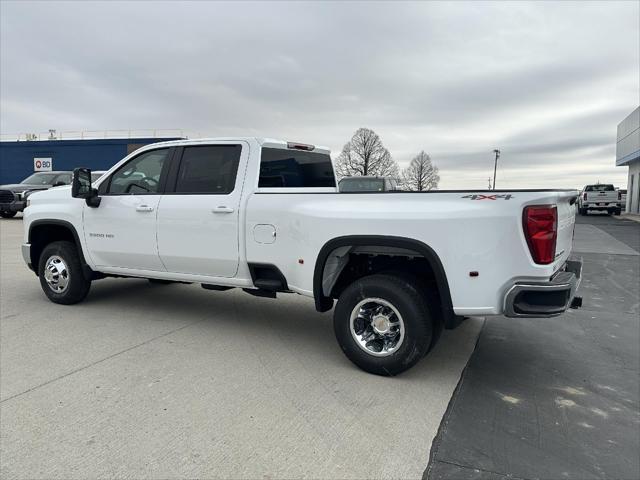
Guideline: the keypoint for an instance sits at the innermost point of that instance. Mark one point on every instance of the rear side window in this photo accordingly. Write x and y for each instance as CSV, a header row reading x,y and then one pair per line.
x,y
208,169
295,168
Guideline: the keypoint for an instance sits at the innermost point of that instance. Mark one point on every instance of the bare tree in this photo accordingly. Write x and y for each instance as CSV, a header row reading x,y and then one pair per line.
x,y
421,174
364,154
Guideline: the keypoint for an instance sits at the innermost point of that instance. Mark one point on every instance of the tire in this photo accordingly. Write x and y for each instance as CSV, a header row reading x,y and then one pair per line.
x,y
158,281
617,211
8,214
431,299
391,294
62,261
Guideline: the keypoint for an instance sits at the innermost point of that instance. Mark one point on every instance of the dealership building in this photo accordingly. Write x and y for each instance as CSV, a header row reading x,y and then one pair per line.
x,y
628,154
23,156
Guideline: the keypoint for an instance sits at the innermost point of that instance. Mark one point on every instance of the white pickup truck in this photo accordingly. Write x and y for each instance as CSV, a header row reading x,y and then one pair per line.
x,y
265,216
600,198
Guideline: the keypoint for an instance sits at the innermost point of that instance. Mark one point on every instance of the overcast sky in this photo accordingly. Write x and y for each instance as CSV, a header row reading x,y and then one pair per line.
x,y
547,83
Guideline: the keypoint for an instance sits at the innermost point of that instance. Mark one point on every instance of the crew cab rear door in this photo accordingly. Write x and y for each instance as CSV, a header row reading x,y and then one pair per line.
x,y
199,215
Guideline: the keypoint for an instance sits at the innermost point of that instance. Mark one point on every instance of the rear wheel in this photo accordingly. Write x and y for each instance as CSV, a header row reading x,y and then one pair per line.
x,y
61,275
383,324
618,211
8,214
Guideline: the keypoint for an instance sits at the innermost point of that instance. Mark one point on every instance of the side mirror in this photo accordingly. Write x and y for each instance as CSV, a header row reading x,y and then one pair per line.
x,y
81,187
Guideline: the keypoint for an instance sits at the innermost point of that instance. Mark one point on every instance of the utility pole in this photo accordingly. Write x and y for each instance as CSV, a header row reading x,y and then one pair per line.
x,y
495,167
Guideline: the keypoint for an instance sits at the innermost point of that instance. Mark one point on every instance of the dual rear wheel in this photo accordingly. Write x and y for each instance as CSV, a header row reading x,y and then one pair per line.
x,y
384,323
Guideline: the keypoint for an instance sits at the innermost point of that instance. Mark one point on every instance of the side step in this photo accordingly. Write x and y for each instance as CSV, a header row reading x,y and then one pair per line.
x,y
271,284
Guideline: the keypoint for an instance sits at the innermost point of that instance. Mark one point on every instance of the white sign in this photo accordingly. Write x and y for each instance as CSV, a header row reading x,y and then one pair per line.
x,y
42,164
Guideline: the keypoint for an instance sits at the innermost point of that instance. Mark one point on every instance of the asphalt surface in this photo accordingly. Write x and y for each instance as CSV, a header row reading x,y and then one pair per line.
x,y
556,398
145,381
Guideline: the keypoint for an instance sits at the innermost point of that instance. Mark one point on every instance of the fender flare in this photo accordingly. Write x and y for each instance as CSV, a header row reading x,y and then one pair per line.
x,y
324,303
87,271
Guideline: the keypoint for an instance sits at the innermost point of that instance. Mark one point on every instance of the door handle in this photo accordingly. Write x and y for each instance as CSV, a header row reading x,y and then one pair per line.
x,y
144,208
222,209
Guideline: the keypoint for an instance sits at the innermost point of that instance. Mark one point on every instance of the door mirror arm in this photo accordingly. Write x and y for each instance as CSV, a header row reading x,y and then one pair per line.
x,y
94,200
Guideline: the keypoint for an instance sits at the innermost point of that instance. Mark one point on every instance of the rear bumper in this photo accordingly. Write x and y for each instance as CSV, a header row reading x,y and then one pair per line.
x,y
17,206
544,299
601,206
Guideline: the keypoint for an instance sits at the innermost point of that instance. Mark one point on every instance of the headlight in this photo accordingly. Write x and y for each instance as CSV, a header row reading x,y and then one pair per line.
x,y
26,193
28,202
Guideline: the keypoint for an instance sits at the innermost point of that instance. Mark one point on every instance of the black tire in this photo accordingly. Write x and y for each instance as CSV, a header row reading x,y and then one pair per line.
x,y
8,214
617,212
431,299
77,286
409,300
583,211
159,281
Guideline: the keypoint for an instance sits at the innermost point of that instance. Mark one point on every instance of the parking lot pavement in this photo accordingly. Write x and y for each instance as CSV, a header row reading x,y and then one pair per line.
x,y
556,398
149,381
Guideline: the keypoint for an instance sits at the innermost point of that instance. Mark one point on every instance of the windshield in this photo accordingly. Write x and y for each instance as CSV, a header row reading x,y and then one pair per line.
x,y
599,188
362,185
40,179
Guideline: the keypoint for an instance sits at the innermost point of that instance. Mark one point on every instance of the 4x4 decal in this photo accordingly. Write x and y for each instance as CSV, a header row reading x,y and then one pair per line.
x,y
476,196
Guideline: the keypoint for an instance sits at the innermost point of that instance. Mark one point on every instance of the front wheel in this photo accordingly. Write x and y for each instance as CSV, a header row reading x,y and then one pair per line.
x,y
8,214
383,324
61,275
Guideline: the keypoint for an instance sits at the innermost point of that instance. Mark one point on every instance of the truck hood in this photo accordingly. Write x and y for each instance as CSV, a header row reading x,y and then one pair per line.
x,y
21,187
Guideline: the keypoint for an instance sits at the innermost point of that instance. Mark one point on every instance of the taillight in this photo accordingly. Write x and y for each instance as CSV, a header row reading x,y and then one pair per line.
x,y
540,223
584,196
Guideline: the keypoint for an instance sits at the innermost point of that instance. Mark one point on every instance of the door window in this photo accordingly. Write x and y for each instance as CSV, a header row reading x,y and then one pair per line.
x,y
140,175
208,169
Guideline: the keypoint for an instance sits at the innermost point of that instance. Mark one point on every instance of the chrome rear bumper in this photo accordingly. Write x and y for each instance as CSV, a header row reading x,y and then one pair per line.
x,y
545,299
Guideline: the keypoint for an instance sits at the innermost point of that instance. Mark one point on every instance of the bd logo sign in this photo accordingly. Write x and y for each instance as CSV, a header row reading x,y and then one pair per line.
x,y
42,164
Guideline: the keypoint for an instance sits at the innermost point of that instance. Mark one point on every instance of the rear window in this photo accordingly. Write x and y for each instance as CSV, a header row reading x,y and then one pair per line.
x,y
295,168
362,185
599,188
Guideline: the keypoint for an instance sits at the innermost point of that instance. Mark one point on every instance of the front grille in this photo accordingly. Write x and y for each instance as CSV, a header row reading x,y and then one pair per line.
x,y
6,196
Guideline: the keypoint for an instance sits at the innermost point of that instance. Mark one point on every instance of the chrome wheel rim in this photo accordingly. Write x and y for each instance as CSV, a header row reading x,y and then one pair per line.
x,y
377,327
56,274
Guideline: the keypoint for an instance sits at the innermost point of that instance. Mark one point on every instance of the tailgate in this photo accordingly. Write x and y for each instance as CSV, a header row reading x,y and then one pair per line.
x,y
602,196
566,206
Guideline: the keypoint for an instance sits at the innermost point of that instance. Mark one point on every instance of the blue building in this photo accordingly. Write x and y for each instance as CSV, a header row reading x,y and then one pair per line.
x,y
18,159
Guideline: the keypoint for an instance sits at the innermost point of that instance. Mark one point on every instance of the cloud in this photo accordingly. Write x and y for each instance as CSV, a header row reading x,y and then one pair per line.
x,y
546,83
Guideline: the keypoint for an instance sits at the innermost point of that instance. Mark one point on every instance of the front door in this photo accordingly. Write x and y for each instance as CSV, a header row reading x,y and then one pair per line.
x,y
121,232
198,217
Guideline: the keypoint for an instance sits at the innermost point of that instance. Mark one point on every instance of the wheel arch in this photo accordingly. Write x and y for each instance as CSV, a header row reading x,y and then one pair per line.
x,y
45,231
324,303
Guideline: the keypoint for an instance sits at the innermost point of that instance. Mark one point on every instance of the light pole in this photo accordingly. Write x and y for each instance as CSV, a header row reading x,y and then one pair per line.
x,y
495,167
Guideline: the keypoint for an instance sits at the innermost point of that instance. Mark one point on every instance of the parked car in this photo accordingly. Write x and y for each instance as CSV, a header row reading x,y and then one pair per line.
x,y
13,197
401,266
600,197
367,184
